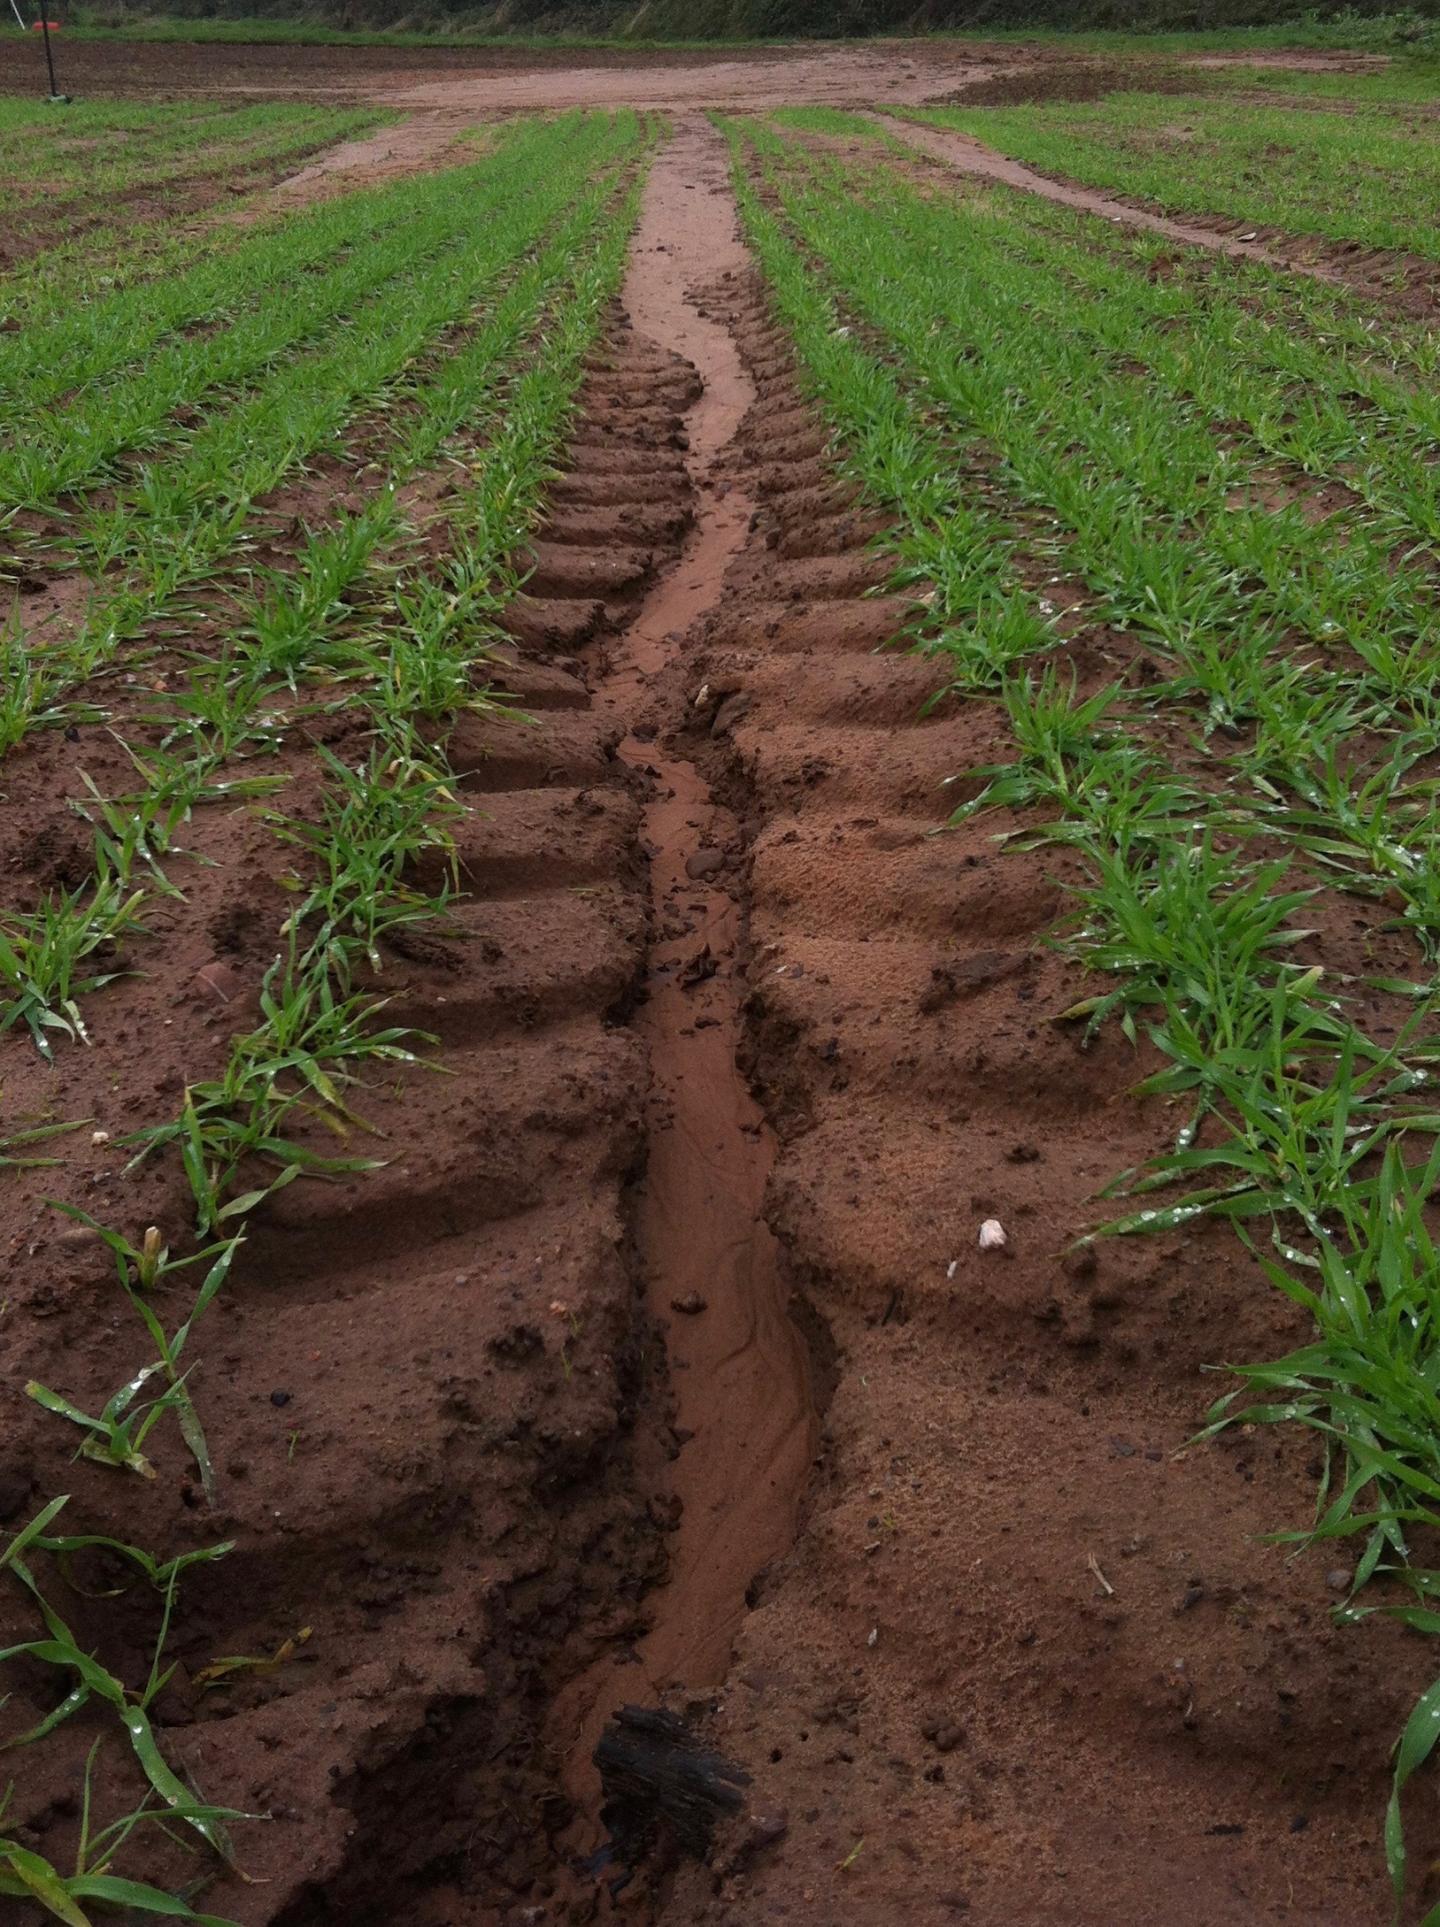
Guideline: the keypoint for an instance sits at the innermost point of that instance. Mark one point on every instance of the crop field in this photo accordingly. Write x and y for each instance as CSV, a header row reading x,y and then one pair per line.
x,y
1265,165
119,176
719,1080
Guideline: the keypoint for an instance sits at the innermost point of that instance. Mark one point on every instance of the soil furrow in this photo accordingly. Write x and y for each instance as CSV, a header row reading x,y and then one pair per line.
x,y
999,1420
722,1439
739,1369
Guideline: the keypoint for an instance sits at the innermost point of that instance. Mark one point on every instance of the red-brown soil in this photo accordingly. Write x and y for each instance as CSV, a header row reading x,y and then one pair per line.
x,y
480,81
419,1384
1034,1660
660,1363
485,80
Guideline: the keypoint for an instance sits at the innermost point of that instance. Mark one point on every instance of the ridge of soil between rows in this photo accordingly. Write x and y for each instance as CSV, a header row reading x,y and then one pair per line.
x,y
952,1710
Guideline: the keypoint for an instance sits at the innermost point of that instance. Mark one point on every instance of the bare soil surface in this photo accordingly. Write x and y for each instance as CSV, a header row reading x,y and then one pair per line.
x,y
660,1367
1028,1662
408,146
485,80
488,80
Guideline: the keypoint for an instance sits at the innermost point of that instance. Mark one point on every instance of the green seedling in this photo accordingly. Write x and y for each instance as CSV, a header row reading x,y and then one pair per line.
x,y
42,954
90,1679
15,1145
142,1273
27,1875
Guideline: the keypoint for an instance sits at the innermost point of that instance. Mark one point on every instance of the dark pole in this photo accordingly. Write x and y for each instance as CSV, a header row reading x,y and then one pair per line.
x,y
55,93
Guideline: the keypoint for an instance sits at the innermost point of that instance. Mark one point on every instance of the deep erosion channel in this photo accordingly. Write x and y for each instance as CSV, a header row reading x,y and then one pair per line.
x,y
738,1369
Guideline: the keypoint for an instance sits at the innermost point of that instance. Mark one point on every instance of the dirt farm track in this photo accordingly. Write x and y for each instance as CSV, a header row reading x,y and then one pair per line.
x,y
664,1365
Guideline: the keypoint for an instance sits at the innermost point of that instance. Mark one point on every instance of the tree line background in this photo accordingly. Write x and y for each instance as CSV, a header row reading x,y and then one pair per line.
x,y
1374,22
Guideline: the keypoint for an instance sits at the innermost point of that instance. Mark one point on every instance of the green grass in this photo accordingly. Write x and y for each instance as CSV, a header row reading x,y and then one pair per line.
x,y
1402,33
317,33
104,162
1208,154
1401,84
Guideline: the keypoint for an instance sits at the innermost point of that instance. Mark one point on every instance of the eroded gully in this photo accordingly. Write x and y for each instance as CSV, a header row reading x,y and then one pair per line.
x,y
738,1366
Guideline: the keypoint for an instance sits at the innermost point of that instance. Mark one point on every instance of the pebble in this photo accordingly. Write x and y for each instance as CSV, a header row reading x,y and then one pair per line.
x,y
766,1826
279,1398
690,1304
218,982
1338,1578
992,1235
704,863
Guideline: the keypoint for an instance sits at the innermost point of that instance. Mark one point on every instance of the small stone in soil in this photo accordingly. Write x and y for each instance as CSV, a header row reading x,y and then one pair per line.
x,y
279,1398
218,982
704,863
767,1825
702,965
690,1304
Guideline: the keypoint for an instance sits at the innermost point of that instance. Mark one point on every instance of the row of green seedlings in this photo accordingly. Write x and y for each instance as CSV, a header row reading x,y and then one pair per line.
x,y
93,262
171,527
183,519
269,140
247,168
107,388
1230,594
301,623
127,142
1377,673
1348,389
1268,165
300,1065
117,132
1174,550
1326,389
288,622
1296,1121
